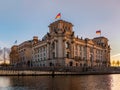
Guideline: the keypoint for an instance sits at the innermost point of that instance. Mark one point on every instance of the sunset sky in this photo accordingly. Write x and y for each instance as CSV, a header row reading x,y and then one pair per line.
x,y
22,19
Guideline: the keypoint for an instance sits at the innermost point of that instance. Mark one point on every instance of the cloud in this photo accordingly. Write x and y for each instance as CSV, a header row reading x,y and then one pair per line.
x,y
115,55
2,44
3,49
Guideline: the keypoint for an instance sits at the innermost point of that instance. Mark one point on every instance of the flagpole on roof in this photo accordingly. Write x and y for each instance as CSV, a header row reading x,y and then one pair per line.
x,y
15,42
60,15
100,33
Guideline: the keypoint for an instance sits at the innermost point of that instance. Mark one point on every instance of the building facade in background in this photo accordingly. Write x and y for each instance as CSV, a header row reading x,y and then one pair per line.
x,y
60,47
21,55
14,56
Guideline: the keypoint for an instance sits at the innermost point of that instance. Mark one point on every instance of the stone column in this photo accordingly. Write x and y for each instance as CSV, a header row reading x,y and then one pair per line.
x,y
48,50
94,56
64,48
55,48
72,50
60,47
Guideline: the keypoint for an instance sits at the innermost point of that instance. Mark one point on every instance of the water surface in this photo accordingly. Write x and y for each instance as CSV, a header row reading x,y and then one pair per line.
x,y
84,82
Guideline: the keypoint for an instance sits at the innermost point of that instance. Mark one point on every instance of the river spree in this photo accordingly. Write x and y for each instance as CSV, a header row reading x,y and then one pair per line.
x,y
83,82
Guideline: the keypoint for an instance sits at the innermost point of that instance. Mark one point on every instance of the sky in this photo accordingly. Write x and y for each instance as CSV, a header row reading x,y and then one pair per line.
x,y
22,19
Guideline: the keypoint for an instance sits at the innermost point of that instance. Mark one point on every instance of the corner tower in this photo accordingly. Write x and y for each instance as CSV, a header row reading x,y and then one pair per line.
x,y
60,34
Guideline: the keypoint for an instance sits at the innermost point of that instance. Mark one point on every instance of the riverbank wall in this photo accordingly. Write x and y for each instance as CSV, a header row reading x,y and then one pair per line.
x,y
7,71
42,73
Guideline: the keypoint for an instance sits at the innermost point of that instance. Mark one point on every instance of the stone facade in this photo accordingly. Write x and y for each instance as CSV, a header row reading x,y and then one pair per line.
x,y
21,55
14,56
60,47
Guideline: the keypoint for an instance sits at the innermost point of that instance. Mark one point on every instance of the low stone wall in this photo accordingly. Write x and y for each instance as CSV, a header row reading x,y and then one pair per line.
x,y
58,71
38,73
10,73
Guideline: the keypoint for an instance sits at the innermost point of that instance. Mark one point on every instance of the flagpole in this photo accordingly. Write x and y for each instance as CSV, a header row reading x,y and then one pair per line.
x,y
4,55
100,33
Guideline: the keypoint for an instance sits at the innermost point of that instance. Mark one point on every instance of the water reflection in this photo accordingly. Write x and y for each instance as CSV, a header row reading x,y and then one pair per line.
x,y
4,82
86,82
115,85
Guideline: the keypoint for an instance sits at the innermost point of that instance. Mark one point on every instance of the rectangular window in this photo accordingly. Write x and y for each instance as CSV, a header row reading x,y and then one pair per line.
x,y
53,54
67,55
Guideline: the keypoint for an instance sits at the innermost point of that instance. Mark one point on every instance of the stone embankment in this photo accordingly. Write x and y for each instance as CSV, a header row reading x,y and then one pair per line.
x,y
36,72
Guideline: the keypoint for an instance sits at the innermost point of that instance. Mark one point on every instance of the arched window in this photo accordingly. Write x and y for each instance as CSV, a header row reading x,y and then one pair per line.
x,y
71,63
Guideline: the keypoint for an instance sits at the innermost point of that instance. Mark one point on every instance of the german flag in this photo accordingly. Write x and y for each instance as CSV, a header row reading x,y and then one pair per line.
x,y
58,16
98,32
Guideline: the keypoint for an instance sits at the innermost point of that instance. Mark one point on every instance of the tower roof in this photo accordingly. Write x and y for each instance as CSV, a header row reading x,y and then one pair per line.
x,y
101,37
60,21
